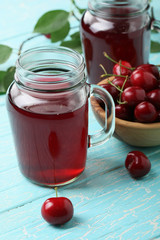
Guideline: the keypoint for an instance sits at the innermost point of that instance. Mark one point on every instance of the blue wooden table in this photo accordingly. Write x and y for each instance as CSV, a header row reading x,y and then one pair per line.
x,y
108,203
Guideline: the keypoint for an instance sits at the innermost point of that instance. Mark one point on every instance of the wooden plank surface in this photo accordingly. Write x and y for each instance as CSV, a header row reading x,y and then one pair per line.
x,y
108,203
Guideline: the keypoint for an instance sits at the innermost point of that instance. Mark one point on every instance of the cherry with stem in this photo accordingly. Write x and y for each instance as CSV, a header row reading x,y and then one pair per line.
x,y
57,210
112,60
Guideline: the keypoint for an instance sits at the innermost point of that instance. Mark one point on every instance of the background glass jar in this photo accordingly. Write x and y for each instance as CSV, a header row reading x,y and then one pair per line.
x,y
119,28
48,109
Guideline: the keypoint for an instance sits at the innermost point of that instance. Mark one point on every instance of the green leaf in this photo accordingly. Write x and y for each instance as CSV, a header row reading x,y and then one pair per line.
x,y
75,35
155,47
51,21
60,34
74,44
81,10
5,53
9,77
2,88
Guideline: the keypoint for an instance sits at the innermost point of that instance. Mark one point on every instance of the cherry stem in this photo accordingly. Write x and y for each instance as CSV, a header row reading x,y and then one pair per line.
x,y
110,75
75,5
119,101
124,82
112,60
21,46
120,64
119,89
56,191
74,15
103,69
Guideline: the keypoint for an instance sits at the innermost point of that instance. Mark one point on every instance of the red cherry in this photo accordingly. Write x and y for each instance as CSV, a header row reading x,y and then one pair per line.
x,y
48,35
133,95
137,164
111,89
154,97
143,79
57,210
119,81
118,68
150,68
145,112
123,112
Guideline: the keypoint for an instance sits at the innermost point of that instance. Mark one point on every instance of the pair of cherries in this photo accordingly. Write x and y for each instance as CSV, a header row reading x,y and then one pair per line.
x,y
136,92
59,210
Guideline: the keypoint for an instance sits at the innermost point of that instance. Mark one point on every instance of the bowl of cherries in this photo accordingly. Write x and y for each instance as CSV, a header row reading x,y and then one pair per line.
x,y
136,93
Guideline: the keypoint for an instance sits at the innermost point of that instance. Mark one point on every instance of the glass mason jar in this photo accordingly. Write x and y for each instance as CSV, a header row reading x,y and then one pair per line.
x,y
48,110
119,28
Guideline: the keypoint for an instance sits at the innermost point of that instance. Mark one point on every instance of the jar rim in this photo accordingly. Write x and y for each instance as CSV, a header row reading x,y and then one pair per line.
x,y
97,8
27,73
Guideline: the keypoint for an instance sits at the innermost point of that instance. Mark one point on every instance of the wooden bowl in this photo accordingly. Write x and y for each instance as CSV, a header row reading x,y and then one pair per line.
x,y
132,133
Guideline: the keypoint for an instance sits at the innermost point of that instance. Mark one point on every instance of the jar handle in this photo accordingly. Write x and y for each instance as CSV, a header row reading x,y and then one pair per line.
x,y
155,23
109,123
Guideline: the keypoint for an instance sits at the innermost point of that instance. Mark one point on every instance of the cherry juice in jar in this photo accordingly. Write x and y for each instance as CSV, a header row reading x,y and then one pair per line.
x,y
119,28
48,111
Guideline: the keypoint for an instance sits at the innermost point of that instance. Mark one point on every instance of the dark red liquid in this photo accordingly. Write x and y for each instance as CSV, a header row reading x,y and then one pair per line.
x,y
50,139
126,38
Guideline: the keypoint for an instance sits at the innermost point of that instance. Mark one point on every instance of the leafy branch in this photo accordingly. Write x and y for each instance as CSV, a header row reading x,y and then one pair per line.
x,y
55,25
